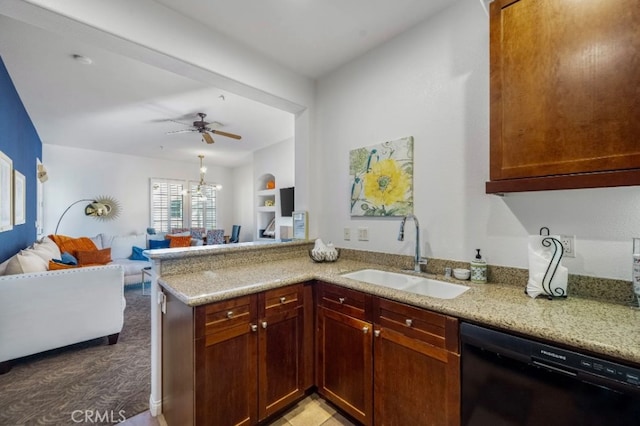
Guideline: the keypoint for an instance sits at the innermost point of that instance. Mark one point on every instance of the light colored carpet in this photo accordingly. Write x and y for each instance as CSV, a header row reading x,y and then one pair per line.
x,y
90,381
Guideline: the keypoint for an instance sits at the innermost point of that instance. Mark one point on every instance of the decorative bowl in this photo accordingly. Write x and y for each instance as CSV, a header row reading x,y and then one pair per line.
x,y
318,256
461,274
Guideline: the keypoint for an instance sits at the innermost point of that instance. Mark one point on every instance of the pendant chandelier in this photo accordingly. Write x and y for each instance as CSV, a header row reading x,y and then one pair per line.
x,y
200,189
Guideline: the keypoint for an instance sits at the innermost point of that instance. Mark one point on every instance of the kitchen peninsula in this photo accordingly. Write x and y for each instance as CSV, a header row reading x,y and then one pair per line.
x,y
266,284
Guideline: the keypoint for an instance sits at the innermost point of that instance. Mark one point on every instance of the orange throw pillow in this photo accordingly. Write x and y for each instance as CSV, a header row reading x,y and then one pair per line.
x,y
72,245
54,266
94,257
179,241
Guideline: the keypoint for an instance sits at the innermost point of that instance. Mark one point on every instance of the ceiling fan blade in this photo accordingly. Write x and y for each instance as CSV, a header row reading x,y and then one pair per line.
x,y
207,138
221,133
181,131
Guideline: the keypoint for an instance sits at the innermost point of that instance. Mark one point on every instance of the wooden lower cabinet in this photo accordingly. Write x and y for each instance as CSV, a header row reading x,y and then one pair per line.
x,y
407,372
280,350
417,366
240,361
226,373
234,362
345,363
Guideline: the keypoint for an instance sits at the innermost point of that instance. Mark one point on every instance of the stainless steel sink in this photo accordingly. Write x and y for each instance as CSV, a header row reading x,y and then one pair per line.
x,y
409,283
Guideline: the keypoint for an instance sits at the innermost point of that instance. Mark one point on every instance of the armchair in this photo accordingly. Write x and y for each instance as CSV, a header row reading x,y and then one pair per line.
x,y
215,236
235,234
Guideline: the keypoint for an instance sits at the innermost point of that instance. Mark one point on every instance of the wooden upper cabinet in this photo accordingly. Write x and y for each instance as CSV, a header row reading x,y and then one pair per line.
x,y
565,94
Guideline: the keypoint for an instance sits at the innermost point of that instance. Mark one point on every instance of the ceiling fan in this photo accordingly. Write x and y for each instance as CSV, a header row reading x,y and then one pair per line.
x,y
203,128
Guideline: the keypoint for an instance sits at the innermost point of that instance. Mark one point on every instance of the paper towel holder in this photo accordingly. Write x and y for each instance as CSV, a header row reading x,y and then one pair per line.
x,y
558,252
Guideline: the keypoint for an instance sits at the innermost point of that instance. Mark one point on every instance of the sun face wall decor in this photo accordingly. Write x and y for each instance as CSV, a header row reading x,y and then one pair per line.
x,y
382,179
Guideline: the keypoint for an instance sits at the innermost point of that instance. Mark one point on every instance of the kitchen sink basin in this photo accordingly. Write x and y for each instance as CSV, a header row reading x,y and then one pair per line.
x,y
409,283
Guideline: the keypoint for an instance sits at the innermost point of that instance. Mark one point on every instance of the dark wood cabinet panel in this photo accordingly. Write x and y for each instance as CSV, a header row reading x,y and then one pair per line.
x,y
235,362
280,349
345,362
421,345
243,360
226,372
178,368
354,303
565,91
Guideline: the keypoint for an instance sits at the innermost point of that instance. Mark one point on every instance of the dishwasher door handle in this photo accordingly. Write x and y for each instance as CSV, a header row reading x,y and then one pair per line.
x,y
553,368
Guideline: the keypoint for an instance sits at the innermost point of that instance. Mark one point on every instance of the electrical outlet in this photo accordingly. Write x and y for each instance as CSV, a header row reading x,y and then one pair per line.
x,y
347,234
363,234
569,244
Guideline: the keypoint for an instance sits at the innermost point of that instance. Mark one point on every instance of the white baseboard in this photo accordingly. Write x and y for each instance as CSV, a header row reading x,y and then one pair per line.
x,y
155,407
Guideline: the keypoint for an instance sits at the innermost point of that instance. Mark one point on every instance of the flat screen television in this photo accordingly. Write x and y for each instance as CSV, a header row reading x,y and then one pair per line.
x,y
286,201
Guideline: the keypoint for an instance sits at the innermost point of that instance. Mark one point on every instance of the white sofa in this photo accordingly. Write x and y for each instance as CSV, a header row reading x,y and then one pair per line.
x,y
46,310
121,249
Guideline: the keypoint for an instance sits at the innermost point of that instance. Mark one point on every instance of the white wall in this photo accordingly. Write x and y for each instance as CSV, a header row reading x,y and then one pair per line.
x,y
433,83
244,202
78,173
279,161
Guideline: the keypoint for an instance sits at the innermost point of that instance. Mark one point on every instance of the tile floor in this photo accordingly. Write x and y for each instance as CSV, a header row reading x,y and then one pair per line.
x,y
311,411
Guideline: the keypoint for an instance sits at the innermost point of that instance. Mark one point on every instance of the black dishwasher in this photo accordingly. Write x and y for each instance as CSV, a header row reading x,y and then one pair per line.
x,y
509,380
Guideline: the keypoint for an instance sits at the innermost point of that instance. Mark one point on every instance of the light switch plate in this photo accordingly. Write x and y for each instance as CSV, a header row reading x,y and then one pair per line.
x,y
347,234
363,234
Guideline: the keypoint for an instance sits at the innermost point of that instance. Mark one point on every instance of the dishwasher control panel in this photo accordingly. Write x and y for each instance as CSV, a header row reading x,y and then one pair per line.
x,y
586,364
570,363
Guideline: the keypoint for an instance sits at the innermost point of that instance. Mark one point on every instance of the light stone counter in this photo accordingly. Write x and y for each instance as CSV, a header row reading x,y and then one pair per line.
x,y
599,327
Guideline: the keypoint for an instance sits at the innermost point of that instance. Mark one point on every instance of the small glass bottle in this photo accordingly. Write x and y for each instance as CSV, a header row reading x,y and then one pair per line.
x,y
478,269
635,276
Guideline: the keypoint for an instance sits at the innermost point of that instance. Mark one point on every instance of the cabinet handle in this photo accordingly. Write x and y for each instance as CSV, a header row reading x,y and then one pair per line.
x,y
376,333
282,299
365,330
409,322
341,300
229,314
264,324
254,327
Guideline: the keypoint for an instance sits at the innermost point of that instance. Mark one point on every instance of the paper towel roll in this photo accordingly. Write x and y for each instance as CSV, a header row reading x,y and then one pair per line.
x,y
546,273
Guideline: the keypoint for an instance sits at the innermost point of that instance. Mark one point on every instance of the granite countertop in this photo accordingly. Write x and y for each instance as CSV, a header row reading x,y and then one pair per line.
x,y
598,327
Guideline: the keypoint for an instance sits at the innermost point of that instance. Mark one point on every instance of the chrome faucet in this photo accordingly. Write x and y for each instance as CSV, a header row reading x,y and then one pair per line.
x,y
416,260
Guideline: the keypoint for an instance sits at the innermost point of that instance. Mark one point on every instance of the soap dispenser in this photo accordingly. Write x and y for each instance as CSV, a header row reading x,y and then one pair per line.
x,y
478,269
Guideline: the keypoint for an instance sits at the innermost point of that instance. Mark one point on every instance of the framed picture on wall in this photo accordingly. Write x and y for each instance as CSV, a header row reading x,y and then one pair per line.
x,y
19,198
6,193
300,225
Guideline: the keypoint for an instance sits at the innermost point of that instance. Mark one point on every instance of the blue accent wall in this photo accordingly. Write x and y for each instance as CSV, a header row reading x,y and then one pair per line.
x,y
20,142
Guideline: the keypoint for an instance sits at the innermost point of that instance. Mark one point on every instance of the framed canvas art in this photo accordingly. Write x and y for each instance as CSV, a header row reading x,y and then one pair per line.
x,y
19,198
382,179
6,193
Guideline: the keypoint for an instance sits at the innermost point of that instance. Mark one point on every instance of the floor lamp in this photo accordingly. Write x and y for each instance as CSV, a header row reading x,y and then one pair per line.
x,y
101,208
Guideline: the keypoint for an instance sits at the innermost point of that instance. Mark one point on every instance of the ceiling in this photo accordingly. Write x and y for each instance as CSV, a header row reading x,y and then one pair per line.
x,y
117,104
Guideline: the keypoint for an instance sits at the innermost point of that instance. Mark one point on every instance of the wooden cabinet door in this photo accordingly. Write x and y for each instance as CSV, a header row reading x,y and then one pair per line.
x,y
226,368
344,364
415,382
280,349
565,94
417,366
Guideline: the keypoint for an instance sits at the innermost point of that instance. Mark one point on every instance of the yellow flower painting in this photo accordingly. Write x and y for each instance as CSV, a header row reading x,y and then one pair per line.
x,y
382,179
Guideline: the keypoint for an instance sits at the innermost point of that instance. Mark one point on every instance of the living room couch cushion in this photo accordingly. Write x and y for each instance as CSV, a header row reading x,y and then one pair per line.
x,y
136,254
94,257
159,244
72,245
179,240
25,262
121,245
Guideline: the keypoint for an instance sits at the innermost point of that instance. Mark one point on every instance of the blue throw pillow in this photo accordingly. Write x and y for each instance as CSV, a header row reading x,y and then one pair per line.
x,y
137,254
66,259
158,244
